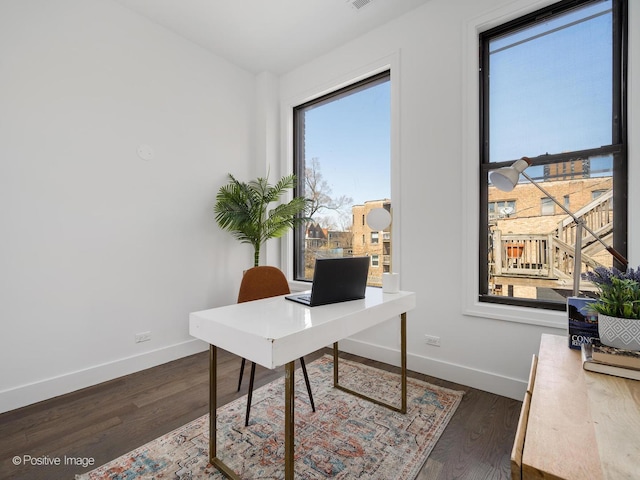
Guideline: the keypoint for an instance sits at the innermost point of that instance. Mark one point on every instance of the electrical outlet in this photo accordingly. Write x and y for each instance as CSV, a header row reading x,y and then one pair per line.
x,y
142,337
432,340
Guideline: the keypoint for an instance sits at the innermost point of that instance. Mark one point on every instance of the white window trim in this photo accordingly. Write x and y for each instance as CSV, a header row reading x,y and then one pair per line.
x,y
389,62
470,168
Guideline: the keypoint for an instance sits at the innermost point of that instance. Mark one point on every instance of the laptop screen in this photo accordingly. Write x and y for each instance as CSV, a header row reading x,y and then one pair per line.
x,y
339,279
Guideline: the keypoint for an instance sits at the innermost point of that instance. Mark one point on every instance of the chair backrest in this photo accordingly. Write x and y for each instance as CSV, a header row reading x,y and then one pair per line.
x,y
262,282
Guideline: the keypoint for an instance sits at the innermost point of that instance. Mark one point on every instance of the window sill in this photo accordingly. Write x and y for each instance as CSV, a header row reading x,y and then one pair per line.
x,y
510,313
299,286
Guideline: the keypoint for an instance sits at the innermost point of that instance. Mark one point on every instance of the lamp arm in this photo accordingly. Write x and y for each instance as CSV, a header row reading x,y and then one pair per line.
x,y
609,249
617,255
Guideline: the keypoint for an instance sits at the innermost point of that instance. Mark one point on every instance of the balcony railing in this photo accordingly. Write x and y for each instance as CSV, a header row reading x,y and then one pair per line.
x,y
552,256
535,256
597,215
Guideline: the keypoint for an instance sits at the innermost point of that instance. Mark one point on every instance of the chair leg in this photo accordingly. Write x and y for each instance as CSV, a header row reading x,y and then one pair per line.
x,y
306,380
241,374
250,395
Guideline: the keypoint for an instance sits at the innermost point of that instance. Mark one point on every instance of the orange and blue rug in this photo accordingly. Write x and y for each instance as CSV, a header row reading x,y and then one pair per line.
x,y
346,438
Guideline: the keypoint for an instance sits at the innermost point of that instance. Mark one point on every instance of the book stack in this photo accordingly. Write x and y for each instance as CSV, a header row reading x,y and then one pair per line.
x,y
600,358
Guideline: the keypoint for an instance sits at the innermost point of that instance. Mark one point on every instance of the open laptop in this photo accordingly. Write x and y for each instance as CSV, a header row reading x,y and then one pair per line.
x,y
336,280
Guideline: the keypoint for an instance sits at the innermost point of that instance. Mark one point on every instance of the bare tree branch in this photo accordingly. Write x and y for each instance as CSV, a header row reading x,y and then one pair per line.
x,y
319,192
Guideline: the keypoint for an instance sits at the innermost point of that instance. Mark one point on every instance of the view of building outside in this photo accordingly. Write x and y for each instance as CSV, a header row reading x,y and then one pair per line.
x,y
375,244
531,244
549,93
360,241
342,161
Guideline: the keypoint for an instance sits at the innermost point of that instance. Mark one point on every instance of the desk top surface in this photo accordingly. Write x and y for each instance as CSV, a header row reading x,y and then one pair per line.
x,y
581,424
274,331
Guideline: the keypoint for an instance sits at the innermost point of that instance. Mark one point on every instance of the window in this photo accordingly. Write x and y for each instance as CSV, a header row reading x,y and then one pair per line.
x,y
342,160
501,209
597,193
547,206
552,89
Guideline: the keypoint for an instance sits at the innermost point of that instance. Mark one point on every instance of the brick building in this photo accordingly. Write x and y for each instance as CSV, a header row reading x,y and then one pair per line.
x,y
360,240
532,238
375,244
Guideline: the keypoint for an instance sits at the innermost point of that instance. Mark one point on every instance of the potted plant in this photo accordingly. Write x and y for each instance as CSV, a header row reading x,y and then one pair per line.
x,y
242,209
618,306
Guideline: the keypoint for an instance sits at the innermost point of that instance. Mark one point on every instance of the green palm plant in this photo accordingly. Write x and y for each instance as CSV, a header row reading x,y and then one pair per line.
x,y
242,209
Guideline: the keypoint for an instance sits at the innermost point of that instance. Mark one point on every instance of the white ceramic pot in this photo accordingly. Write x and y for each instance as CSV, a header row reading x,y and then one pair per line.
x,y
619,332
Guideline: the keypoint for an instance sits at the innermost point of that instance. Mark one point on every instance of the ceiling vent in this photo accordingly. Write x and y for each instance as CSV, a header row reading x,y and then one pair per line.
x,y
358,4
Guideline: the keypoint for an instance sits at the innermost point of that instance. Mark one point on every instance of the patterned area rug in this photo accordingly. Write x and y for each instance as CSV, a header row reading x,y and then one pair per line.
x,y
347,437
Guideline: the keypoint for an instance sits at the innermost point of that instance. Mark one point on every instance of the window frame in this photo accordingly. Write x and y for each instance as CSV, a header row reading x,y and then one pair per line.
x,y
369,80
618,148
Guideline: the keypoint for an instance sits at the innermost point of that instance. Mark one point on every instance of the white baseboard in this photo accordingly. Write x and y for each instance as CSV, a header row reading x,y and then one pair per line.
x,y
52,387
463,375
28,394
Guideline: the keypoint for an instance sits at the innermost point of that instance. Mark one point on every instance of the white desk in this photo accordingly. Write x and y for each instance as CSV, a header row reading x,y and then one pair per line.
x,y
275,331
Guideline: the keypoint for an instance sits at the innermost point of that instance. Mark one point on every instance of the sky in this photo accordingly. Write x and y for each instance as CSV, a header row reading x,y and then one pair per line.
x,y
540,104
550,87
351,138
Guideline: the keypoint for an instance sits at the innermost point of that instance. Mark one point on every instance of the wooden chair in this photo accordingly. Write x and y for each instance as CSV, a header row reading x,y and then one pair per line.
x,y
257,283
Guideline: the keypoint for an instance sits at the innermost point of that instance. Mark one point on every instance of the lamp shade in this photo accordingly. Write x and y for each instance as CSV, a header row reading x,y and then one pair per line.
x,y
506,178
378,219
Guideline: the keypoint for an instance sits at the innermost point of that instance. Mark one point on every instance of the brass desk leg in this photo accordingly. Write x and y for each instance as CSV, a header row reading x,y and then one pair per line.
x,y
289,400
403,372
213,402
213,416
403,361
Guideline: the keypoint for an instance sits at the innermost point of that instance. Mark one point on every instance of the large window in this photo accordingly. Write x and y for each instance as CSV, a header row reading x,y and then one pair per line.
x,y
342,163
552,89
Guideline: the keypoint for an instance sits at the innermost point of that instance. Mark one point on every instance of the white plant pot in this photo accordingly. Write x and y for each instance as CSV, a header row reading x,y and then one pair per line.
x,y
619,332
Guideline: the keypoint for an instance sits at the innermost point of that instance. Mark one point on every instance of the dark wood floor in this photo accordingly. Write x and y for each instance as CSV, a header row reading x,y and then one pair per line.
x,y
110,419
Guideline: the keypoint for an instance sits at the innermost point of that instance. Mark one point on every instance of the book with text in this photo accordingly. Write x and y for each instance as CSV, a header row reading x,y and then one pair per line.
x,y
588,363
583,322
615,356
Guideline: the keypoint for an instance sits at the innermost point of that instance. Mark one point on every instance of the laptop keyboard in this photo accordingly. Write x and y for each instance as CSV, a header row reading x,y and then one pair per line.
x,y
306,298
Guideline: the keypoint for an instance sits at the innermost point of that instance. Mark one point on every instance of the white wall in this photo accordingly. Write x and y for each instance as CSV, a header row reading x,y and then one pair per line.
x,y
96,244
488,347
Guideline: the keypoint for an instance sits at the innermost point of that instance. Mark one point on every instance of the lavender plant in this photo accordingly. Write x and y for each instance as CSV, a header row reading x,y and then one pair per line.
x,y
619,292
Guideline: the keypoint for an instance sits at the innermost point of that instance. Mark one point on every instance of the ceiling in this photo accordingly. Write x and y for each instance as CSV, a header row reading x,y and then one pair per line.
x,y
270,35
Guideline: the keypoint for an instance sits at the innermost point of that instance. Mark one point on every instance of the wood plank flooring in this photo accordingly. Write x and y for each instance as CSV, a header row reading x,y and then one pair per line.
x,y
110,419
